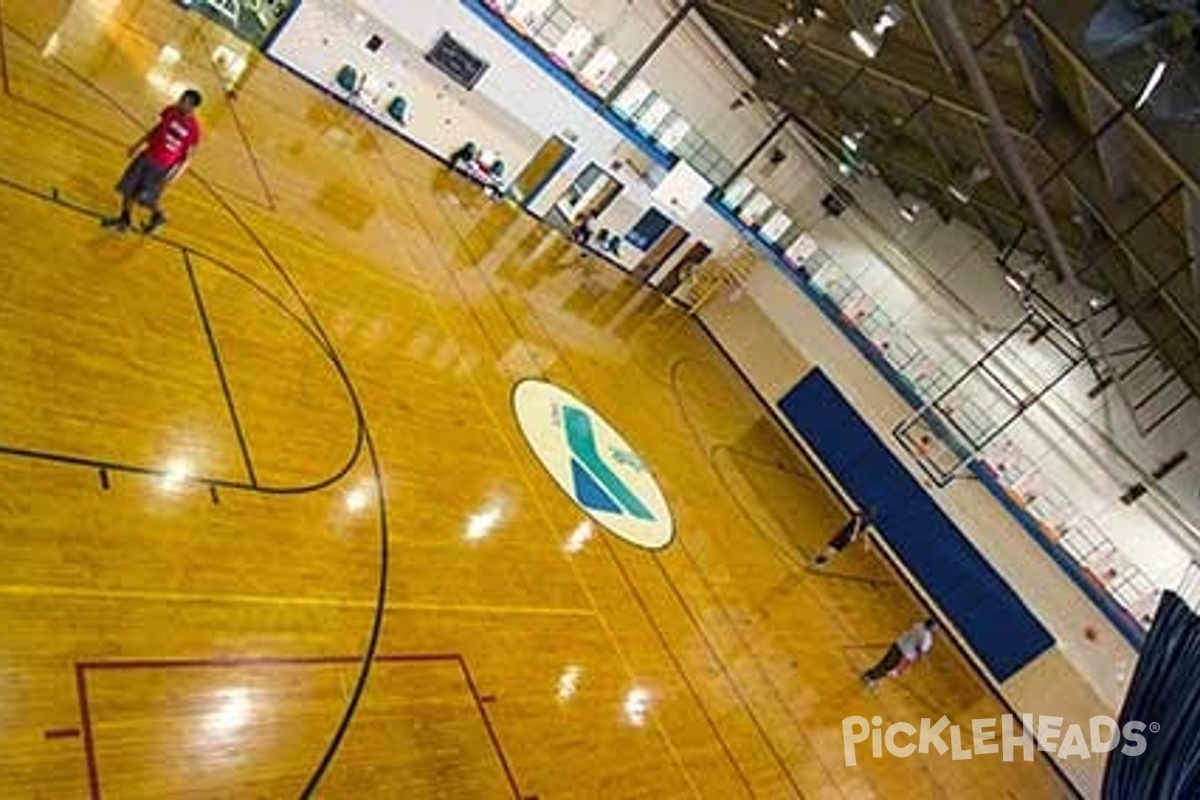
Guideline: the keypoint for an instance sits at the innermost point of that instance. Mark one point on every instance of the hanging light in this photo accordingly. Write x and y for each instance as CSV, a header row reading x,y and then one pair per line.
x,y
1152,83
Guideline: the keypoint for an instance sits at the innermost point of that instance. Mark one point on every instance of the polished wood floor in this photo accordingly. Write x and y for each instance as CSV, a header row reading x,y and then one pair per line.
x,y
239,462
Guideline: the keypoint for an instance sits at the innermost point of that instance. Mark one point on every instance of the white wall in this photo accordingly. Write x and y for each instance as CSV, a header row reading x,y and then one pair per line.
x,y
696,75
325,34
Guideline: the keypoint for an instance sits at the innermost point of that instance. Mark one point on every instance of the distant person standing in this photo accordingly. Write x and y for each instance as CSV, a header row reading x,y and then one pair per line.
x,y
847,534
912,645
585,224
159,157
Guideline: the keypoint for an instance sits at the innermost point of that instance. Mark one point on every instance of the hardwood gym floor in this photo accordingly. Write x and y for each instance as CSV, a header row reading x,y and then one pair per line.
x,y
222,448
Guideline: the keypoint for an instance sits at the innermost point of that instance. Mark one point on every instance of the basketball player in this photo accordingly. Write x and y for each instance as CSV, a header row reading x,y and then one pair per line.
x,y
159,157
841,540
907,650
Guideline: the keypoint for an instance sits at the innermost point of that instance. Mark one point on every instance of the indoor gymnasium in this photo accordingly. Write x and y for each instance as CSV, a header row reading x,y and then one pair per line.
x,y
652,399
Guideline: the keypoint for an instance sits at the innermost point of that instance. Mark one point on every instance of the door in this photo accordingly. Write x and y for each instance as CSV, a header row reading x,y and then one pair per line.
x,y
667,244
693,257
538,171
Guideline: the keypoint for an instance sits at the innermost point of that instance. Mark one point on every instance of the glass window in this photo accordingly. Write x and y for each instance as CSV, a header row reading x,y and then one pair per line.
x,y
755,208
525,13
599,67
653,115
632,99
553,28
573,44
737,192
674,131
774,228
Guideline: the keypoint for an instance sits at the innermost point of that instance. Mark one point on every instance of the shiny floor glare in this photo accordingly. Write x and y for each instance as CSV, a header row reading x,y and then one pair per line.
x,y
268,522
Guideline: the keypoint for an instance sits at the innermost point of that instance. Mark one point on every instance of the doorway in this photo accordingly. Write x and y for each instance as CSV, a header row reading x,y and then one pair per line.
x,y
663,249
593,190
684,267
538,171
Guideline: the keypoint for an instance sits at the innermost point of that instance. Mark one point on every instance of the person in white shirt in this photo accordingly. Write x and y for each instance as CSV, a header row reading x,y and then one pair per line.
x,y
912,645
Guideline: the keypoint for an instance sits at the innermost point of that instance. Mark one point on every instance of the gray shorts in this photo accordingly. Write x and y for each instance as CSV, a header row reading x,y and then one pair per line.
x,y
143,181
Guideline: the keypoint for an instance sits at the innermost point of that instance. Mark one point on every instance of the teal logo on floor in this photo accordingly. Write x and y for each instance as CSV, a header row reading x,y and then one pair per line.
x,y
593,464
596,486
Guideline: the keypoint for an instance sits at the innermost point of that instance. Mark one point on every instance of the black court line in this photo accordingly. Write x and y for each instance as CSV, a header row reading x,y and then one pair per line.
x,y
4,56
727,674
280,305
219,363
106,96
272,204
552,344
902,578
661,635
364,438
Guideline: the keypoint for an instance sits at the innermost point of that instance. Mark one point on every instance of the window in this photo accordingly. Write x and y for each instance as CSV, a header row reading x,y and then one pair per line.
x,y
598,68
674,130
632,99
553,28
774,228
755,208
653,115
574,43
737,192
525,13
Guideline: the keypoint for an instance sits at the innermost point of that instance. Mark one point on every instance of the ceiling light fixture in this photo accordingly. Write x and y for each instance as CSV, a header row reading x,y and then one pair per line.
x,y
864,43
1152,83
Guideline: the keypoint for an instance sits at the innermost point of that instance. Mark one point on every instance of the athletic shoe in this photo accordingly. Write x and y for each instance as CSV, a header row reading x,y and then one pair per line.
x,y
118,224
154,223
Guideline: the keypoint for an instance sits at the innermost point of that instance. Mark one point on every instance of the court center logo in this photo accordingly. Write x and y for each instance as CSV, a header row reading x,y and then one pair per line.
x,y
593,464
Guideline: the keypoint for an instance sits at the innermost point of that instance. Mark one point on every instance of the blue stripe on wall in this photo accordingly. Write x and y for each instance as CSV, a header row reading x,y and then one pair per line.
x,y
564,78
981,605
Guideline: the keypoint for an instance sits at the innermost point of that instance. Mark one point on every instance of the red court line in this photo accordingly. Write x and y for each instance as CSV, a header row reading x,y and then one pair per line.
x,y
491,731
85,722
130,665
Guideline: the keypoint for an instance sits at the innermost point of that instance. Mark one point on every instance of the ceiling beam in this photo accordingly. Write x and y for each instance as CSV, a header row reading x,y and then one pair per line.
x,y
1191,205
1081,66
1008,154
1110,143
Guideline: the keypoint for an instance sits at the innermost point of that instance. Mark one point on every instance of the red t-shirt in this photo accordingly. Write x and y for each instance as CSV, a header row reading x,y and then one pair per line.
x,y
177,133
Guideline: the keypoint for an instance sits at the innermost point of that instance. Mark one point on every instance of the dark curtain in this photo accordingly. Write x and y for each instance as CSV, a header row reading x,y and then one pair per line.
x,y
1166,690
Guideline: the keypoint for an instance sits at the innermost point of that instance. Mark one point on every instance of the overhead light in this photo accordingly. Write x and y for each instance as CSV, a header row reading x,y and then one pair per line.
x,y
864,43
1016,282
852,140
909,211
771,42
845,169
958,194
783,62
1155,78
819,13
888,17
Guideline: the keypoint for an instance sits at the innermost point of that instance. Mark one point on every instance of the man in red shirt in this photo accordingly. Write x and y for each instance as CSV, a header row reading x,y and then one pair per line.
x,y
159,157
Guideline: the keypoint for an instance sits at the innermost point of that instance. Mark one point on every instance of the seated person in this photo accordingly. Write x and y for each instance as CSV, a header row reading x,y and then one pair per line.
x,y
581,231
608,242
464,155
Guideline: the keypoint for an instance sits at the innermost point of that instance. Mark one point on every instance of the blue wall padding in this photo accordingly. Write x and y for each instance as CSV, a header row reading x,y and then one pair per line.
x,y
967,590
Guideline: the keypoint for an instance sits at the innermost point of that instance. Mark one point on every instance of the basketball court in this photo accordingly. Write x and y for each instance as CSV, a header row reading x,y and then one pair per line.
x,y
271,526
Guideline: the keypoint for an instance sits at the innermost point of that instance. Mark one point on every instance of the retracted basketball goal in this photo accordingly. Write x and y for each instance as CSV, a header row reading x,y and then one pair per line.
x,y
952,428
